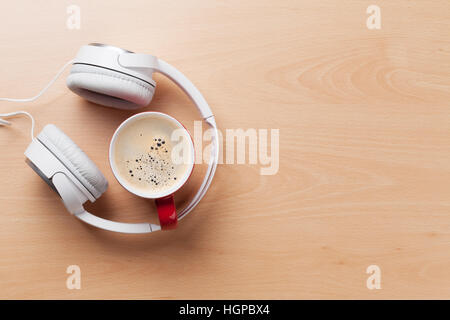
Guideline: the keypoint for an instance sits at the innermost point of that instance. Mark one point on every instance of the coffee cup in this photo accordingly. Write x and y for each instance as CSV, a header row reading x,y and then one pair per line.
x,y
151,155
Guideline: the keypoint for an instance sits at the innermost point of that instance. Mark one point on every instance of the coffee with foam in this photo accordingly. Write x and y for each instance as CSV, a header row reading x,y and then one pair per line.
x,y
144,154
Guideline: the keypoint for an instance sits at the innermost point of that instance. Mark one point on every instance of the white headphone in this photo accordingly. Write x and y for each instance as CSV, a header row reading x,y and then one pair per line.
x,y
117,78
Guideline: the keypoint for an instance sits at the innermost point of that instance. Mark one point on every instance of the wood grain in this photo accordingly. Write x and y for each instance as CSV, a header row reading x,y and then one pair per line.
x,y
364,151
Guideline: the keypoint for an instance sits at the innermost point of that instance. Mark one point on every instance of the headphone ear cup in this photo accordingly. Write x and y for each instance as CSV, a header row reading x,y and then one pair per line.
x,y
73,158
109,88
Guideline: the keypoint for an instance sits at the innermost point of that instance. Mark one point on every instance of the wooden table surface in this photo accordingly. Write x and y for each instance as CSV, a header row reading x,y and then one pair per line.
x,y
364,175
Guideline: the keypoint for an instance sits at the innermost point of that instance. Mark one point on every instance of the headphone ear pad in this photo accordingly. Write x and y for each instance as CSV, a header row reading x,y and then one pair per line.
x,y
109,88
82,167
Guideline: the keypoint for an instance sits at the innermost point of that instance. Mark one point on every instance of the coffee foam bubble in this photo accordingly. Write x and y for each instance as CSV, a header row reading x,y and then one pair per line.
x,y
153,167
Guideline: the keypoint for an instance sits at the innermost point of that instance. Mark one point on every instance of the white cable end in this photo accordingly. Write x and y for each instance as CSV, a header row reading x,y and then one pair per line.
x,y
4,123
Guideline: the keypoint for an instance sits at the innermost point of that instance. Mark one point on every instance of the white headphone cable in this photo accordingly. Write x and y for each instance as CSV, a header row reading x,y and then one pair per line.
x,y
12,114
43,90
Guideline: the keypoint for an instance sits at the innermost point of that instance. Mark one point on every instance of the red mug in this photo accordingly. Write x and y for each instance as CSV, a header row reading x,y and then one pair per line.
x,y
163,198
